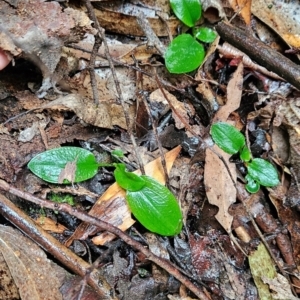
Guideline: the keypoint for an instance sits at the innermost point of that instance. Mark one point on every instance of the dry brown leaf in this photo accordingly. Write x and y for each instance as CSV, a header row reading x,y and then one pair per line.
x,y
185,110
50,225
111,206
31,270
234,94
8,288
105,114
281,16
243,7
220,189
41,32
281,287
128,25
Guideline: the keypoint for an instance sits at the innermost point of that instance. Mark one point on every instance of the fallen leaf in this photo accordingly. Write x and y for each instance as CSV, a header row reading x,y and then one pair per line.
x,y
219,186
41,38
281,16
31,270
281,287
261,265
127,23
105,115
50,225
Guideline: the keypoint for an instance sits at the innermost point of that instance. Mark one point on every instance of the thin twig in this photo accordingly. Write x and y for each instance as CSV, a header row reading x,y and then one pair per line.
x,y
163,263
116,81
91,68
163,160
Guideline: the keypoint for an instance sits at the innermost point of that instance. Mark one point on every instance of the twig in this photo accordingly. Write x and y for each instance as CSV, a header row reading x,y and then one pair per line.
x,y
53,246
153,40
163,160
260,52
116,81
163,263
91,68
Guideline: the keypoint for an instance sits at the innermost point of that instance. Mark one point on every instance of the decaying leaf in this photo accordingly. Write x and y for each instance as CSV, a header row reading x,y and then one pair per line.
x,y
28,264
289,113
105,114
220,189
261,265
128,24
185,110
41,38
111,206
281,288
281,16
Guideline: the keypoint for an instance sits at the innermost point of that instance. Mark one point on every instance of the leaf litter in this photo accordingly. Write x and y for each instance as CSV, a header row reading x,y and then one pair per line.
x,y
253,99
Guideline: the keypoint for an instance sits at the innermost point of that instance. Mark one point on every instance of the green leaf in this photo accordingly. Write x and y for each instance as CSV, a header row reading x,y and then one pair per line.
x,y
245,154
204,34
156,208
184,54
252,186
127,180
263,172
52,164
118,153
187,11
227,137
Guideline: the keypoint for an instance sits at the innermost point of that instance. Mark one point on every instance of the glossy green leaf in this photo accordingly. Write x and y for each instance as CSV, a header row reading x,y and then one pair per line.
x,y
252,186
187,11
156,208
127,180
184,54
263,172
49,165
245,154
227,137
204,34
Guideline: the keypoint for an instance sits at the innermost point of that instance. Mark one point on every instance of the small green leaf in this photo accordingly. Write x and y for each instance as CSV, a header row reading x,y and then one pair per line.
x,y
127,180
49,165
245,154
118,153
187,11
184,54
263,172
204,34
227,137
252,186
156,208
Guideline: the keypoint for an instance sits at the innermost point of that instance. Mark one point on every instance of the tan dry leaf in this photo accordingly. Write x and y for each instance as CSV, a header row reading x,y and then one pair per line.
x,y
185,110
105,115
50,225
40,29
219,187
128,25
111,206
280,286
243,7
281,16
8,288
234,95
31,270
